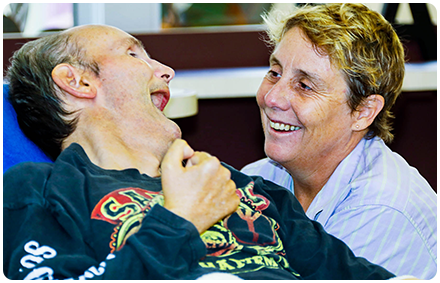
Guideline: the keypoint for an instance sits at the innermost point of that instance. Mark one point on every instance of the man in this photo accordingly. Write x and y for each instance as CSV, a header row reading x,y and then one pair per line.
x,y
117,203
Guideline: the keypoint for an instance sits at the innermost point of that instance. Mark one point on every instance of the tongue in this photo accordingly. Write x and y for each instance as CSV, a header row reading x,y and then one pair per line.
x,y
159,101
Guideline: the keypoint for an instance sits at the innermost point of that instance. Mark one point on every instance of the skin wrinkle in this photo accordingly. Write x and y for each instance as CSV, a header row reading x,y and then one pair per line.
x,y
326,137
359,42
118,105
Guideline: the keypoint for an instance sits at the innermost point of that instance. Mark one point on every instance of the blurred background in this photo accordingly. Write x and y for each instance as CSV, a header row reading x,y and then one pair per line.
x,y
31,19
219,54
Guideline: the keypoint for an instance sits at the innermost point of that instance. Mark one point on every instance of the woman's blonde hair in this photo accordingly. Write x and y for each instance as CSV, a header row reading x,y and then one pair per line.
x,y
358,41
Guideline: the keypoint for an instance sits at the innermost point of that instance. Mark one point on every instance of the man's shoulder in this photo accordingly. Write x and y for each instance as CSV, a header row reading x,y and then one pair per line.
x,y
24,183
25,170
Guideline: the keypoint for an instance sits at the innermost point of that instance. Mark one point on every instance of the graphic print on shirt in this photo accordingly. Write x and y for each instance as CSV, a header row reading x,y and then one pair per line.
x,y
125,208
244,241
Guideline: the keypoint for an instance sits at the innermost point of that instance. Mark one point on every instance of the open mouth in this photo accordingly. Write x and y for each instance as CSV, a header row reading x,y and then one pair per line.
x,y
160,98
281,127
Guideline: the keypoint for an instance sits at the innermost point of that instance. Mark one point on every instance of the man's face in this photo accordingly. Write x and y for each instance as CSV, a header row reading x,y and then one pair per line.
x,y
132,87
303,104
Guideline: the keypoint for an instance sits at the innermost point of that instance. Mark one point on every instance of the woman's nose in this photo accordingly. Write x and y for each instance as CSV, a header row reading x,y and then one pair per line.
x,y
277,97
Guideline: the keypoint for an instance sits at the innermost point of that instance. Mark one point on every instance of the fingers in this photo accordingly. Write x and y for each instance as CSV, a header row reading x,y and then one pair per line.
x,y
202,192
178,151
199,157
209,164
206,164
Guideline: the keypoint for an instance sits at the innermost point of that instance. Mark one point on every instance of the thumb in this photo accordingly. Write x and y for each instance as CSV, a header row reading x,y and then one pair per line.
x,y
178,151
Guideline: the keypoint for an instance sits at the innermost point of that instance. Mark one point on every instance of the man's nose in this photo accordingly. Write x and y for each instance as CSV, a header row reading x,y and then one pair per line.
x,y
163,71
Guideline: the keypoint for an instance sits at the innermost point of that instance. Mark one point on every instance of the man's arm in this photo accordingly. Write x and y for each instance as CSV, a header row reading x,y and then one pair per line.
x,y
43,243
166,247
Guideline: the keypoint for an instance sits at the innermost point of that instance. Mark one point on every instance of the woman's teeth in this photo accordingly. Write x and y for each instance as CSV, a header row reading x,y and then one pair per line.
x,y
283,127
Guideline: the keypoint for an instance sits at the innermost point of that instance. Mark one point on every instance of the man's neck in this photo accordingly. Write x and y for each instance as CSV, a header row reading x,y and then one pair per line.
x,y
115,148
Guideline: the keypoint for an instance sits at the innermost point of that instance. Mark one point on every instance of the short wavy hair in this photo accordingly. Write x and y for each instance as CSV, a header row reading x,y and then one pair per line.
x,y
35,96
358,41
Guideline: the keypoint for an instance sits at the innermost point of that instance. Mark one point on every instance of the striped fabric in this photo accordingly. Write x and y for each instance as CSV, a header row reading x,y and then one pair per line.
x,y
382,208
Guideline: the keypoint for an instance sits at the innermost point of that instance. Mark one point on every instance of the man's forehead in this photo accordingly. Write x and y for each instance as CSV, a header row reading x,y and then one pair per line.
x,y
102,33
97,31
94,26
132,41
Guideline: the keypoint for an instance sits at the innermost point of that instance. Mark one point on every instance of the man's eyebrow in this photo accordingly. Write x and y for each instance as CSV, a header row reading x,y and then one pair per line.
x,y
132,41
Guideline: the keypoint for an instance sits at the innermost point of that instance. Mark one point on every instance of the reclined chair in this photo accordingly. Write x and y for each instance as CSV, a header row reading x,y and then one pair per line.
x,y
16,146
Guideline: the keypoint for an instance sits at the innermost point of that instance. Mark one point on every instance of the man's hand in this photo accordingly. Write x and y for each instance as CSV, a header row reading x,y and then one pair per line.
x,y
202,192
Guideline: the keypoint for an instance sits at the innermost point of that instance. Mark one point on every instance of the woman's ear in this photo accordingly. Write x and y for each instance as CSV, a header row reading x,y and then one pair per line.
x,y
73,81
368,111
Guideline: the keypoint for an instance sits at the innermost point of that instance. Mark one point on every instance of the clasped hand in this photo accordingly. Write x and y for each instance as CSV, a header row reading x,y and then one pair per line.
x,y
201,191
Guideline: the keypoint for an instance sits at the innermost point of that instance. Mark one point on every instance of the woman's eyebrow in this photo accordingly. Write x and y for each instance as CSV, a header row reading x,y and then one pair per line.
x,y
273,60
314,77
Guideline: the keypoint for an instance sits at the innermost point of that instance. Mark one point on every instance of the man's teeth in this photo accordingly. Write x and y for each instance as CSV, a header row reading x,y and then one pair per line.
x,y
283,127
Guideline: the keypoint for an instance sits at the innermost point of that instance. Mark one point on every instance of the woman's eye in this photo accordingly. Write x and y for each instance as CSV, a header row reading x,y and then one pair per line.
x,y
304,86
133,54
273,74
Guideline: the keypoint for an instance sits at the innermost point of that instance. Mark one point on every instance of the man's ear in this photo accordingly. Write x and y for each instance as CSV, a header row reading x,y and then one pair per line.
x,y
73,81
368,111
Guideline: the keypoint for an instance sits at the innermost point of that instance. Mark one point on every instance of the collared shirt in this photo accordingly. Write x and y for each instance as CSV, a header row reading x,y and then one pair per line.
x,y
381,207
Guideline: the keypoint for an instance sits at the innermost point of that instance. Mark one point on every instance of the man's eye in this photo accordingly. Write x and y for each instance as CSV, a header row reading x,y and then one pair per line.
x,y
133,54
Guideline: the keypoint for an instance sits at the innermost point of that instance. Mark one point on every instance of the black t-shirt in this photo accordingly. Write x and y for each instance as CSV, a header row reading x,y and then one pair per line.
x,y
72,219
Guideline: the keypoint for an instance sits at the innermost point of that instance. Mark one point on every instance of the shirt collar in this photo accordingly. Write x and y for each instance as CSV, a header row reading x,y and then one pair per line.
x,y
336,187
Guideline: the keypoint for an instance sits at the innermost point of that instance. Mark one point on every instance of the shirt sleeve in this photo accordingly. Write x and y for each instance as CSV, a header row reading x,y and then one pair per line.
x,y
386,237
40,247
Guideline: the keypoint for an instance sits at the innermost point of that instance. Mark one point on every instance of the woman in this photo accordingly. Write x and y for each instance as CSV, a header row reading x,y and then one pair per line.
x,y
335,72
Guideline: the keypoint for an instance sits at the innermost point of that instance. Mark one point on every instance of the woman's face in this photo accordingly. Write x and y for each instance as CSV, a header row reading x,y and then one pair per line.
x,y
303,103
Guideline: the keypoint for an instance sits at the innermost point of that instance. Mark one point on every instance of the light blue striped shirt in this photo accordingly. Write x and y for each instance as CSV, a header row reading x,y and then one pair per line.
x,y
381,207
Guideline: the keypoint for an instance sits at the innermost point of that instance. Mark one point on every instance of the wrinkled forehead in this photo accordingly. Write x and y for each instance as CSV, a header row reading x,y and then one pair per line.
x,y
94,29
101,36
